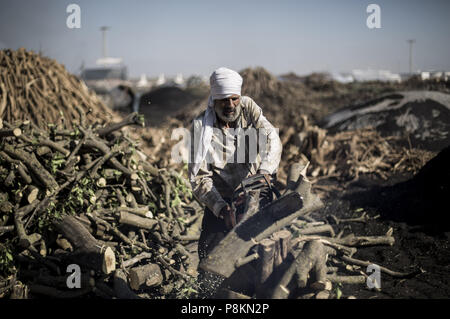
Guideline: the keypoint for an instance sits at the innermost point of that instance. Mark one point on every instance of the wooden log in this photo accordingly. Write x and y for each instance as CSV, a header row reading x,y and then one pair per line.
x,y
316,230
248,259
87,250
266,251
10,132
121,287
313,257
149,276
282,245
137,221
237,243
391,273
19,291
33,165
293,175
131,119
6,229
362,241
43,150
352,280
140,211
136,259
30,193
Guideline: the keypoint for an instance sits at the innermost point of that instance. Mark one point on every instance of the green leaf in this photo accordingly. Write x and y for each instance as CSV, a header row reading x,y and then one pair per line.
x,y
338,293
175,202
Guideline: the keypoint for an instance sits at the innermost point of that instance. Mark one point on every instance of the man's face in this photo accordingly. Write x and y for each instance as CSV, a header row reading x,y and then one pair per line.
x,y
228,109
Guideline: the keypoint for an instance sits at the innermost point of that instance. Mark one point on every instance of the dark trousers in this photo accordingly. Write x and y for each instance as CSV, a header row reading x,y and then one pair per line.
x,y
213,230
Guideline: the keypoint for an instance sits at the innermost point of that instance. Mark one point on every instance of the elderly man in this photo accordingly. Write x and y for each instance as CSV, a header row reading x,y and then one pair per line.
x,y
214,179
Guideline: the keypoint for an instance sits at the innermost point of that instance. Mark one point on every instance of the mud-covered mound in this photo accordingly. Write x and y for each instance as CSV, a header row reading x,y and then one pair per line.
x,y
162,103
421,117
421,200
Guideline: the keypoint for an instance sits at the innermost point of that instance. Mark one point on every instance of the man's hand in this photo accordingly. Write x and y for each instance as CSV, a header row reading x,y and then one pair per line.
x,y
266,175
228,216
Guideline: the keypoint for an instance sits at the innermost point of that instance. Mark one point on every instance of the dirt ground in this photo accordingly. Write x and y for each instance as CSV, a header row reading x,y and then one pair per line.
x,y
416,211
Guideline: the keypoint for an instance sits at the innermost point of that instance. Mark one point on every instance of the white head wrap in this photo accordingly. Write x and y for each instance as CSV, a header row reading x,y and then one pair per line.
x,y
224,83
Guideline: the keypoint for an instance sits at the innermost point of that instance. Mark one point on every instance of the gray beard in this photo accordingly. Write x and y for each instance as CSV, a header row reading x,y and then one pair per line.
x,y
230,118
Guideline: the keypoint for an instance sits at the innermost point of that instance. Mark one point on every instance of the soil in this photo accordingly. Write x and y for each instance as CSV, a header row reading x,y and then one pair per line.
x,y
415,207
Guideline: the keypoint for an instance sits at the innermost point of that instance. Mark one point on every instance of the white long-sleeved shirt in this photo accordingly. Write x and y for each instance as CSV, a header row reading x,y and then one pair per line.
x,y
221,172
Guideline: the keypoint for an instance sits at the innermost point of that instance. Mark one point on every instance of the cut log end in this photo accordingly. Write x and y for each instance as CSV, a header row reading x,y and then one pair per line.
x,y
109,262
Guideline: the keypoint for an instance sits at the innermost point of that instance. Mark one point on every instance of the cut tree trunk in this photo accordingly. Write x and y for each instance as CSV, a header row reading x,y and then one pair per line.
x,y
87,250
313,257
237,243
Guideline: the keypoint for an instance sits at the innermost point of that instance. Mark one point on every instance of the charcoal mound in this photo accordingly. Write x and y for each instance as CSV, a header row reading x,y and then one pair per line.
x,y
164,102
421,200
421,118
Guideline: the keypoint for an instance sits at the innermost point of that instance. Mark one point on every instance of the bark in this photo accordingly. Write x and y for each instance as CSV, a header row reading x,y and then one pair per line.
x,y
145,276
121,287
87,250
137,221
313,258
237,243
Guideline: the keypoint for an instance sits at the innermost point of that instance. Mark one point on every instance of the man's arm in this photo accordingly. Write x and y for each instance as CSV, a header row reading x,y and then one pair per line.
x,y
202,183
271,159
203,188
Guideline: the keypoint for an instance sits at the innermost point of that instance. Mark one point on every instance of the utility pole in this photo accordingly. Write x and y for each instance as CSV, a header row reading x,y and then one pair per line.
x,y
104,29
411,42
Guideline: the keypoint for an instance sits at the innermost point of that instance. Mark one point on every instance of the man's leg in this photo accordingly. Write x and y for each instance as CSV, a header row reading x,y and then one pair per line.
x,y
213,230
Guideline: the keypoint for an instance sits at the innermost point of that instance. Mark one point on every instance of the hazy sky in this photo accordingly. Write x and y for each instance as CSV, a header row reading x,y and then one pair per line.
x,y
196,37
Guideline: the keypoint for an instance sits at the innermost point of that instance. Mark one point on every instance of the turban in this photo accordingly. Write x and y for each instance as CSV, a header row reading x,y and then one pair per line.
x,y
224,83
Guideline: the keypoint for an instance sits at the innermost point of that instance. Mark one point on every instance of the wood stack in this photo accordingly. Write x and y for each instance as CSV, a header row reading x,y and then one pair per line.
x,y
87,196
38,89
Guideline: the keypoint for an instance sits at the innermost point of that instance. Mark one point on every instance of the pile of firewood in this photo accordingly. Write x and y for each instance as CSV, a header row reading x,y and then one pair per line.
x,y
39,89
87,196
347,155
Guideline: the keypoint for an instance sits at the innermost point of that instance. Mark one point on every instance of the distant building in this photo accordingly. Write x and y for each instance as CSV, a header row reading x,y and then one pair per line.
x,y
375,75
343,77
179,79
161,79
143,82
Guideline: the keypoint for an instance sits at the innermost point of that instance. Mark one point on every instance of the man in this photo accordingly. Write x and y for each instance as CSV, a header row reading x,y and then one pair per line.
x,y
214,179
